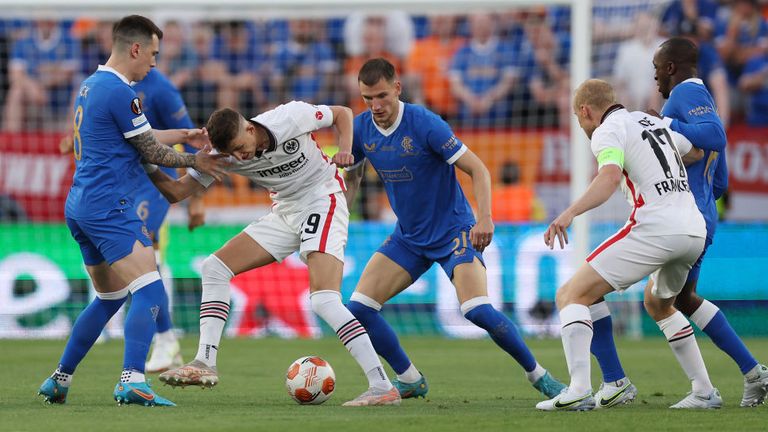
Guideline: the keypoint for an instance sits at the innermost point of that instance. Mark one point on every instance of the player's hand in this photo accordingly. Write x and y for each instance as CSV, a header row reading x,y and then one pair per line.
x,y
197,138
67,144
211,164
654,113
482,233
195,213
343,159
558,230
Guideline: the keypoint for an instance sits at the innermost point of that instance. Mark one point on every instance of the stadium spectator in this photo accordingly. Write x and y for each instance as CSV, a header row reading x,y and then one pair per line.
x,y
426,69
482,74
178,60
304,67
633,69
687,17
95,43
754,84
398,32
200,91
741,36
240,59
41,74
374,44
513,201
712,71
544,58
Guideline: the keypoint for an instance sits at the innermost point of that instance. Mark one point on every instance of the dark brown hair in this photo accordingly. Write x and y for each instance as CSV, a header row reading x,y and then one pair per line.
x,y
223,126
134,28
374,70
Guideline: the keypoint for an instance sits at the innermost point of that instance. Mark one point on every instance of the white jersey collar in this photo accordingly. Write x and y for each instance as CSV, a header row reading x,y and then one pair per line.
x,y
694,80
388,131
122,77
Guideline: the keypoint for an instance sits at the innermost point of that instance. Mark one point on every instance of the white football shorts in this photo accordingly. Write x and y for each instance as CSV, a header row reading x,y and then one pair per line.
x,y
321,226
628,256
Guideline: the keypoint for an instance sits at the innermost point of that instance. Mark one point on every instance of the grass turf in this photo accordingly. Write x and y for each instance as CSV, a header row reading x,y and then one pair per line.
x,y
474,386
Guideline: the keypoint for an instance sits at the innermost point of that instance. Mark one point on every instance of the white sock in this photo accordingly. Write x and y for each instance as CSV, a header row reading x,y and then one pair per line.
x,y
165,338
327,304
62,378
131,376
679,334
536,373
214,308
577,337
410,376
704,314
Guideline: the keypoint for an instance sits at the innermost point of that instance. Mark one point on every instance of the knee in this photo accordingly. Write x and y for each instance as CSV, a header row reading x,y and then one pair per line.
x,y
214,269
688,303
658,309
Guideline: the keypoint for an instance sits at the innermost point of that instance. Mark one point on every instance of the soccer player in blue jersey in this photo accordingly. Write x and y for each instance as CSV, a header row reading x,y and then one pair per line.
x,y
689,110
164,108
414,152
111,136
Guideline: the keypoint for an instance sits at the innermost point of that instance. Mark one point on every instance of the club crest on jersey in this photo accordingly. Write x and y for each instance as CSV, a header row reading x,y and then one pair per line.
x,y
84,91
291,146
136,106
407,145
370,147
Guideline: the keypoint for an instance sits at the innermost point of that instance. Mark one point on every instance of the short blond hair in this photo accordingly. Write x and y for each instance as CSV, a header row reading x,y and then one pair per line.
x,y
596,93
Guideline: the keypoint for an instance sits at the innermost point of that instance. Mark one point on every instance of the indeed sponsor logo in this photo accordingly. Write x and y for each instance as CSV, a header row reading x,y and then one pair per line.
x,y
284,168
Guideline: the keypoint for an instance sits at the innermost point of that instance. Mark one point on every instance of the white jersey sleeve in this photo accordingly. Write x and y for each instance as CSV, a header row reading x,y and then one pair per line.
x,y
295,118
609,144
683,144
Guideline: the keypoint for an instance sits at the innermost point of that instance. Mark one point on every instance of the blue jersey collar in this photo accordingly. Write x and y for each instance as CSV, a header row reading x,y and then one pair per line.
x,y
390,130
122,77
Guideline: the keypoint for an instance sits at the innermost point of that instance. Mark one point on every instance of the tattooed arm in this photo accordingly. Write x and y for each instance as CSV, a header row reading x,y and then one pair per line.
x,y
154,152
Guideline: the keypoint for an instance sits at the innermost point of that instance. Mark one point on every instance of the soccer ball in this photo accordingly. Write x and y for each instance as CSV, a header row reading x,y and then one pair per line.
x,y
310,380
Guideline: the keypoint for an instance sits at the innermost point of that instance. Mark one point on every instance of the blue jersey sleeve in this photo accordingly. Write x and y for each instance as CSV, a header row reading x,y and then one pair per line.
x,y
694,115
720,181
172,112
441,139
125,108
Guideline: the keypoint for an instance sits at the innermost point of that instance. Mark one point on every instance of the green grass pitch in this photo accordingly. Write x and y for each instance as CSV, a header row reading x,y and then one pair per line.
x,y
474,387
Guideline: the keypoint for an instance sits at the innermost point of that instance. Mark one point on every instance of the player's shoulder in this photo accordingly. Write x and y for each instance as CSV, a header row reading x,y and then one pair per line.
x,y
690,88
362,120
415,114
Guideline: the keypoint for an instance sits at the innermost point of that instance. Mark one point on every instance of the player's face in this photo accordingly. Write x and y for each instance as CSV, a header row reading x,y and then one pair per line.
x,y
247,143
583,115
661,76
147,57
383,100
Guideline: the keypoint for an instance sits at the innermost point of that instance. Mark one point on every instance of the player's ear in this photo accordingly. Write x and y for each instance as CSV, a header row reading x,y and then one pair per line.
x,y
135,48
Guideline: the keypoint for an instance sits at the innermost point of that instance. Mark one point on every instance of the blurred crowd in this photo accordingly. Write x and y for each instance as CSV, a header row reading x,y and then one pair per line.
x,y
481,70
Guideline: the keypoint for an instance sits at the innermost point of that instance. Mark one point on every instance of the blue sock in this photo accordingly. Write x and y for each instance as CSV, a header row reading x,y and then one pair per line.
x,y
604,349
140,323
164,322
382,336
86,330
504,332
722,334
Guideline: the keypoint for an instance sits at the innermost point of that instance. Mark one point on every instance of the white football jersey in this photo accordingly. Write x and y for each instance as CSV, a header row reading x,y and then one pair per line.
x,y
294,169
655,179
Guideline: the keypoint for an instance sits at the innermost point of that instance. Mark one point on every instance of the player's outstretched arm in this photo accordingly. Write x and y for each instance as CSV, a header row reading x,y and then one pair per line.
x,y
197,138
482,233
693,156
352,177
154,152
598,192
342,120
172,189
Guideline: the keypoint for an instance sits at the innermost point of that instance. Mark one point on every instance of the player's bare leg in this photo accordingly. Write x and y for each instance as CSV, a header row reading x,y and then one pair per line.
x,y
240,254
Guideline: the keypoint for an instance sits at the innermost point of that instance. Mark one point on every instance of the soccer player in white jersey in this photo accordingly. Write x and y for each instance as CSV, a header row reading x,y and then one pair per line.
x,y
276,150
663,237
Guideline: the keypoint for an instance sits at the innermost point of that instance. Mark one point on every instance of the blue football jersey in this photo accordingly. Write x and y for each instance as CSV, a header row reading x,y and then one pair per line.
x,y
107,168
414,159
693,109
